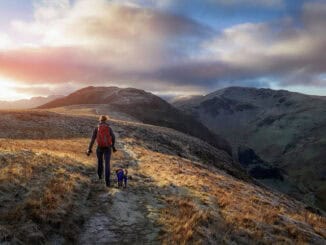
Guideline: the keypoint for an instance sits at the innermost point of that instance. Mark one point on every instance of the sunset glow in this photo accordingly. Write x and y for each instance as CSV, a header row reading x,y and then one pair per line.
x,y
8,91
192,46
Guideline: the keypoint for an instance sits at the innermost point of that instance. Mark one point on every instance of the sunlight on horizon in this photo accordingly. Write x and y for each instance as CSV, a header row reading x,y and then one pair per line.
x,y
8,92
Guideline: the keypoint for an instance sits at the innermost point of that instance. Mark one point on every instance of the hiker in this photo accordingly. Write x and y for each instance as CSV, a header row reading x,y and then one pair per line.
x,y
105,139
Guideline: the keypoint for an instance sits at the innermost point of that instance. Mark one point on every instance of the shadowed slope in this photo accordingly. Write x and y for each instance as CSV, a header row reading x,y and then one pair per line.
x,y
285,129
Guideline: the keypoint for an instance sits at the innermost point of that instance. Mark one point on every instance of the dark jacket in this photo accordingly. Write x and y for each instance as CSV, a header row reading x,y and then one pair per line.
x,y
95,135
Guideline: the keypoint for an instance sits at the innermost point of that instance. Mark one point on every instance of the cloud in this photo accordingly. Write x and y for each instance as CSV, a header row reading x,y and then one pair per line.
x,y
230,3
46,89
39,65
124,43
33,90
264,3
48,10
314,16
5,41
279,49
121,35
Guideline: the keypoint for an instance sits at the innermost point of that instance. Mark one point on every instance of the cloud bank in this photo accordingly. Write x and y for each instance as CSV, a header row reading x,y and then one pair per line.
x,y
129,44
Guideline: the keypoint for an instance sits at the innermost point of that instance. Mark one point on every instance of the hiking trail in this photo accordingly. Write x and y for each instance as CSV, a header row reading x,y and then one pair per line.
x,y
125,215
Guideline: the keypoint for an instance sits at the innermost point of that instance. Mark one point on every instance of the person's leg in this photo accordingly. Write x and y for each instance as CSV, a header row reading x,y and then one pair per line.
x,y
99,154
107,156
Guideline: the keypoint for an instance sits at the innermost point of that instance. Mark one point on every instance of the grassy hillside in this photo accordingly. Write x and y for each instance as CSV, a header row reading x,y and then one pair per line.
x,y
49,191
40,190
286,130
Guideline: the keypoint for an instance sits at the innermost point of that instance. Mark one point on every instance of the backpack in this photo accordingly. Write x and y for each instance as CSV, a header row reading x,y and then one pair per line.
x,y
103,137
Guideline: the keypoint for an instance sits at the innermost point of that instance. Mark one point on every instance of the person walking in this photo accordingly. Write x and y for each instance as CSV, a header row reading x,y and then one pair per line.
x,y
105,138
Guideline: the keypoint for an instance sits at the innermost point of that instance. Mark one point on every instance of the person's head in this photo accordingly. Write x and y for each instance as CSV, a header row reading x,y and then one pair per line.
x,y
103,118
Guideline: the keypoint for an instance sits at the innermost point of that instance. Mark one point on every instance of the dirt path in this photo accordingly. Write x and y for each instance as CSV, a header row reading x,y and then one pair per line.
x,y
122,215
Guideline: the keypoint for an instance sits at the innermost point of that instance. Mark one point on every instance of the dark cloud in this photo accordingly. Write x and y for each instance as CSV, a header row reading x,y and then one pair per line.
x,y
149,22
314,15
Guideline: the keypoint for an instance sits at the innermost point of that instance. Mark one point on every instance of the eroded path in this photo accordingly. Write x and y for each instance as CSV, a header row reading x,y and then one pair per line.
x,y
116,215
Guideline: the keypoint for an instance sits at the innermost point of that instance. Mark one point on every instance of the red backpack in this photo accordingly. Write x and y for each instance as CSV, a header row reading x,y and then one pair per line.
x,y
103,137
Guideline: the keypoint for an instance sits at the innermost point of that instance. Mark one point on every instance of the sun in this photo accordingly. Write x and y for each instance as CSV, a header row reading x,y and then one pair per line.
x,y
8,90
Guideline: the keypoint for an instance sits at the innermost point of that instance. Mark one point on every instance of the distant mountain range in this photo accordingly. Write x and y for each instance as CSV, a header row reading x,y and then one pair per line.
x,y
278,136
27,103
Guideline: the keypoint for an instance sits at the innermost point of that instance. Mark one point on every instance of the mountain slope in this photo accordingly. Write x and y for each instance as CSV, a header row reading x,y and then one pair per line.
x,y
49,191
286,130
40,124
143,106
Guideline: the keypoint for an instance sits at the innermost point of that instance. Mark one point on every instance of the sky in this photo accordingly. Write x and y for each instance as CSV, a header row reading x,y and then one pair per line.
x,y
168,47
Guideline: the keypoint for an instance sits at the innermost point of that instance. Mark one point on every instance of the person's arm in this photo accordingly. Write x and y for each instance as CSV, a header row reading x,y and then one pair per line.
x,y
113,139
94,135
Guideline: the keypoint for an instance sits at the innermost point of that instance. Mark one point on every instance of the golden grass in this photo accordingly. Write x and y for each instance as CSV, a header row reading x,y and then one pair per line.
x,y
74,148
205,205
41,181
254,211
182,220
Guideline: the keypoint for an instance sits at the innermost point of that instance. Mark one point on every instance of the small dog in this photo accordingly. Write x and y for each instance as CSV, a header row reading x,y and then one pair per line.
x,y
122,175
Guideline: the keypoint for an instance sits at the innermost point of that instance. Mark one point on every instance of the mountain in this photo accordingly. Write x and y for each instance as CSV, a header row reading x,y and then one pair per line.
x,y
142,106
181,190
279,136
27,103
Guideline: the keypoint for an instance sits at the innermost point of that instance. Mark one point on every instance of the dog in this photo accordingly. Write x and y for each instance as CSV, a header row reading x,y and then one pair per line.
x,y
122,176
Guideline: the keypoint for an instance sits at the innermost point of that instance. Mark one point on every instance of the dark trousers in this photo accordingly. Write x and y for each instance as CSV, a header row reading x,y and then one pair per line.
x,y
106,153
